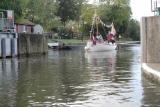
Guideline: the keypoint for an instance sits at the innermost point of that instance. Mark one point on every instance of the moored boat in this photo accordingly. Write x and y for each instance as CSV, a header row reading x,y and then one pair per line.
x,y
57,45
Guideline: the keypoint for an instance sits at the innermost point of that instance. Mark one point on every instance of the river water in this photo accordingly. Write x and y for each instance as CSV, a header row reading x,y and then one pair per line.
x,y
77,79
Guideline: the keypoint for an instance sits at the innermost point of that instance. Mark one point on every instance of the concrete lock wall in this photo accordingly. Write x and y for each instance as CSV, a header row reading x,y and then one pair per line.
x,y
29,44
150,39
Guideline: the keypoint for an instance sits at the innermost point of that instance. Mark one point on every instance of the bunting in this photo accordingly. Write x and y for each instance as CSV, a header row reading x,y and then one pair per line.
x,y
105,25
96,18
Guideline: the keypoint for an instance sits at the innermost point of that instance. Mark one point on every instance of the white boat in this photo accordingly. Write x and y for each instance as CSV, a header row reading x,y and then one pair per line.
x,y
101,55
96,42
99,46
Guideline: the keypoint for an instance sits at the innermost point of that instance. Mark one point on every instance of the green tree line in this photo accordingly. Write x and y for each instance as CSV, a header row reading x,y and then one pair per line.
x,y
76,15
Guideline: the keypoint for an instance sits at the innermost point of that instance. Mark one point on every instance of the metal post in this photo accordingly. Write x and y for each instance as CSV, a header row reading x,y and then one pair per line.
x,y
3,47
13,47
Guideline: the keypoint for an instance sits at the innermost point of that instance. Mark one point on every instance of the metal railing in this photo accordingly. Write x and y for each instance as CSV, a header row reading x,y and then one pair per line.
x,y
6,25
155,7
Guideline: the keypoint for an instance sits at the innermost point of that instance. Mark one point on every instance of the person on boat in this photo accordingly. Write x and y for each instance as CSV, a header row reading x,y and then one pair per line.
x,y
99,38
93,39
110,37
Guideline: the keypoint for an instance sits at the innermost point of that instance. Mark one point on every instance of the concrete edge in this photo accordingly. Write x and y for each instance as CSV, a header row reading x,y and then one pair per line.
x,y
150,73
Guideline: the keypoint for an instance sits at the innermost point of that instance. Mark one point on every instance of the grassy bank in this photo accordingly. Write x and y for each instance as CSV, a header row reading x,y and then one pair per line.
x,y
77,41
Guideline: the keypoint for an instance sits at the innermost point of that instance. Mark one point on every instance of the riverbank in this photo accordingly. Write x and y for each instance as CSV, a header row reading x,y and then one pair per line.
x,y
69,44
80,42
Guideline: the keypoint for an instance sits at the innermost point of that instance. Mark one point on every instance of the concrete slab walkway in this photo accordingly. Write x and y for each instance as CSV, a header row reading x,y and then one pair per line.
x,y
151,71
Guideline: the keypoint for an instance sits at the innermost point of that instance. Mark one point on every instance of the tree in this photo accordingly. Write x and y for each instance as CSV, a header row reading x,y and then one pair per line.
x,y
116,11
42,12
86,18
69,9
134,30
116,2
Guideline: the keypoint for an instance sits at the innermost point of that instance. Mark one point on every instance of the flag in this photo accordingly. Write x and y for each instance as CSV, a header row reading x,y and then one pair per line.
x,y
113,31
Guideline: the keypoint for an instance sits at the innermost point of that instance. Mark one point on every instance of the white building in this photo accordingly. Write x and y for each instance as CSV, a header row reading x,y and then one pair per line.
x,y
38,29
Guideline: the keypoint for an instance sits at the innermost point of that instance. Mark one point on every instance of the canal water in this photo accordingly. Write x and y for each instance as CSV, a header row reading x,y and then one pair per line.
x,y
77,79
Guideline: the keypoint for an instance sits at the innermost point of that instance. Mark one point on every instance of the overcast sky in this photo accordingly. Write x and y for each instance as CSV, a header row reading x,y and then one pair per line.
x,y
141,8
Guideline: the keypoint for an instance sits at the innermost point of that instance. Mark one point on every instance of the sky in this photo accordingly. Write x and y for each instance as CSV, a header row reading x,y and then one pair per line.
x,y
141,8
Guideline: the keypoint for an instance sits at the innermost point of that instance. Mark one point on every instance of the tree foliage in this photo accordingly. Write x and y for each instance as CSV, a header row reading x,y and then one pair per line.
x,y
86,17
118,12
52,14
69,9
87,13
42,12
116,2
134,30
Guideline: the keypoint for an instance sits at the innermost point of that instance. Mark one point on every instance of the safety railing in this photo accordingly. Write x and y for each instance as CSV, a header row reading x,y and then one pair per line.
x,y
6,25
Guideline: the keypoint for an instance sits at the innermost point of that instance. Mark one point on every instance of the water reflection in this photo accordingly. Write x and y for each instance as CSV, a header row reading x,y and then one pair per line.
x,y
118,81
101,60
8,78
77,79
53,81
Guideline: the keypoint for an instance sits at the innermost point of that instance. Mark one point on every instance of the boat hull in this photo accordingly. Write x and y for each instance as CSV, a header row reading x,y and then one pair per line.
x,y
100,47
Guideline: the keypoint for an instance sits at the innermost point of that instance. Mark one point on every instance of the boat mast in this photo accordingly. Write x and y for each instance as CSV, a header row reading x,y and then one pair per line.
x,y
95,18
97,25
93,22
